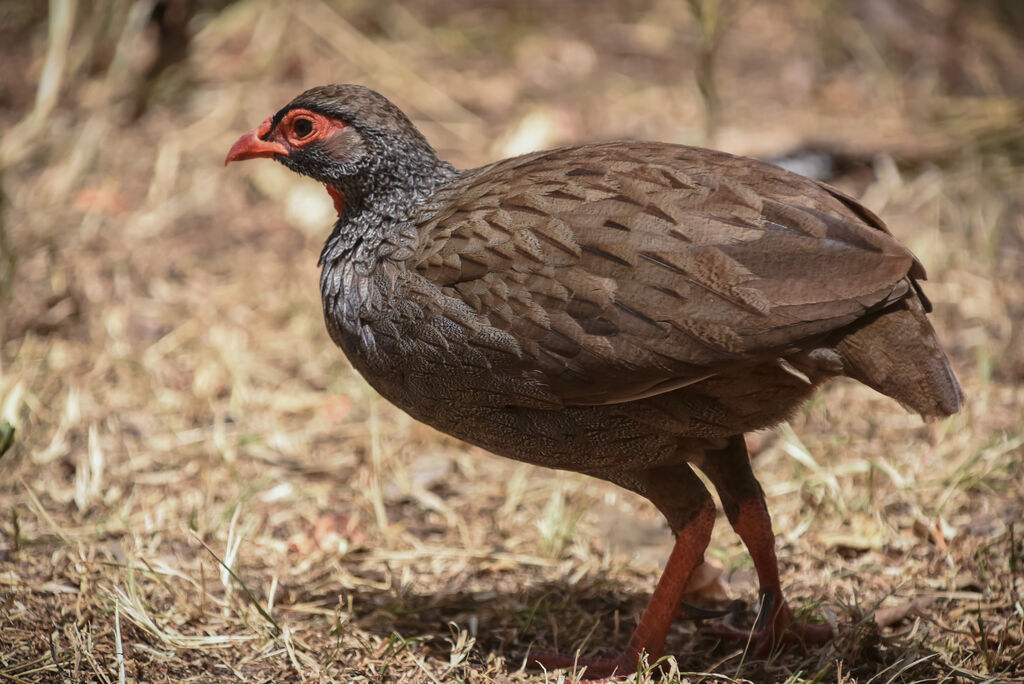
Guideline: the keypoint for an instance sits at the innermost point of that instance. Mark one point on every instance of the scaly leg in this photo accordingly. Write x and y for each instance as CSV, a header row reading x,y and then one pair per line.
x,y
679,494
743,500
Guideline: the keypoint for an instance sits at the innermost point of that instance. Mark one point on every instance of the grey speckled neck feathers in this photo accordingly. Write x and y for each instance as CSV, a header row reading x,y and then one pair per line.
x,y
386,170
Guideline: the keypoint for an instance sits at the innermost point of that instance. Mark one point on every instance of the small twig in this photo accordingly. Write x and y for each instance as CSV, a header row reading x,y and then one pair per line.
x,y
1015,565
290,650
118,645
97,670
231,546
423,667
16,525
248,593
53,654
202,593
271,593
41,512
8,269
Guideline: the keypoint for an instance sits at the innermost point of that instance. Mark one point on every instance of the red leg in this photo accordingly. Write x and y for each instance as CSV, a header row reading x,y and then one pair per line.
x,y
775,623
745,507
649,635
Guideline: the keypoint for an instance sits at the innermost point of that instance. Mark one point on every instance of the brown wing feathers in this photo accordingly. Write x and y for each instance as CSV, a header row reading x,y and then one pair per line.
x,y
606,257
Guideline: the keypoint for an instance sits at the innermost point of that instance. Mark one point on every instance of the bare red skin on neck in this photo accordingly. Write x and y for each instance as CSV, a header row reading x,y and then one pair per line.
x,y
338,197
322,127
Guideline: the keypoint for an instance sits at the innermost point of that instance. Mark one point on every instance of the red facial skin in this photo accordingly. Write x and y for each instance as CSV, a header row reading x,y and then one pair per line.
x,y
298,128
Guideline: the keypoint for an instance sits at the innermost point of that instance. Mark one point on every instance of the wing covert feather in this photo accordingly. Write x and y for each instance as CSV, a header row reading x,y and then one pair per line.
x,y
628,270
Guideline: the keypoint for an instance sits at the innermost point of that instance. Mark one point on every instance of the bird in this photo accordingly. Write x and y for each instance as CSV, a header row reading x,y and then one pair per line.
x,y
627,310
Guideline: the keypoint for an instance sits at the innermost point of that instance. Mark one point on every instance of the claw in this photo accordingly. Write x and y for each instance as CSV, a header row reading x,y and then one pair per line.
x,y
774,626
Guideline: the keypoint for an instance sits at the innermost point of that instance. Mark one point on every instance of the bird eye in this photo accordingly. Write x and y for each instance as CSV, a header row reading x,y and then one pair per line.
x,y
302,127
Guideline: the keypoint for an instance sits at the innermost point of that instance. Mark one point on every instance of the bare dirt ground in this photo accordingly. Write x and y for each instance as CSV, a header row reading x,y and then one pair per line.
x,y
200,489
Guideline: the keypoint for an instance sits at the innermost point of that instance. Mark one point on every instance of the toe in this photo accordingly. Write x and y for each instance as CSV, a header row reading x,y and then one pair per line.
x,y
594,669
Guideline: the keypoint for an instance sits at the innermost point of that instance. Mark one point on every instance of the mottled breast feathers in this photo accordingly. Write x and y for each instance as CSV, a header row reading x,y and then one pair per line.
x,y
628,269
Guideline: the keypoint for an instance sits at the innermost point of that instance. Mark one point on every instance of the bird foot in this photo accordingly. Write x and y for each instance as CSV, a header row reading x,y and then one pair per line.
x,y
775,626
614,669
594,669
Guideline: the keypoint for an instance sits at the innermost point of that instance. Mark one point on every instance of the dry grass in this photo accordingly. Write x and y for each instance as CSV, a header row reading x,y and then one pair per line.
x,y
199,488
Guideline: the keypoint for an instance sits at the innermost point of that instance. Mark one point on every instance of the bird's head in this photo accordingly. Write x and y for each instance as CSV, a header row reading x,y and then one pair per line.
x,y
345,136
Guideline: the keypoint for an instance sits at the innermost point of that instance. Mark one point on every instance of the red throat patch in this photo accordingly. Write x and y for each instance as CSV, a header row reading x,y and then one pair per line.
x,y
338,197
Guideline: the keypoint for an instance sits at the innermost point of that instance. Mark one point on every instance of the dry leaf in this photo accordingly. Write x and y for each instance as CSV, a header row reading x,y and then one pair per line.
x,y
892,614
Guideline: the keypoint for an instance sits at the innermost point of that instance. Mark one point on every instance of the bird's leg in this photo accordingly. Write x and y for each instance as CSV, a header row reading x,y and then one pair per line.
x,y
743,500
775,623
679,494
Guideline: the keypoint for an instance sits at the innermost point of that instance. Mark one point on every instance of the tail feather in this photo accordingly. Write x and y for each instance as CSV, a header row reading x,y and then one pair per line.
x,y
897,353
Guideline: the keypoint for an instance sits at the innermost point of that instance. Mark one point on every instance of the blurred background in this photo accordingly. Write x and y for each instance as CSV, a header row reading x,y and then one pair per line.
x,y
195,484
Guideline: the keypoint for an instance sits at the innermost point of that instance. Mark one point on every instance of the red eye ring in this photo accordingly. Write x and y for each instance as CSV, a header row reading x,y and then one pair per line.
x,y
300,127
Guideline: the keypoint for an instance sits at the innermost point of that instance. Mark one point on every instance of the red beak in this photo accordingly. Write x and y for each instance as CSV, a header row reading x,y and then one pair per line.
x,y
252,145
